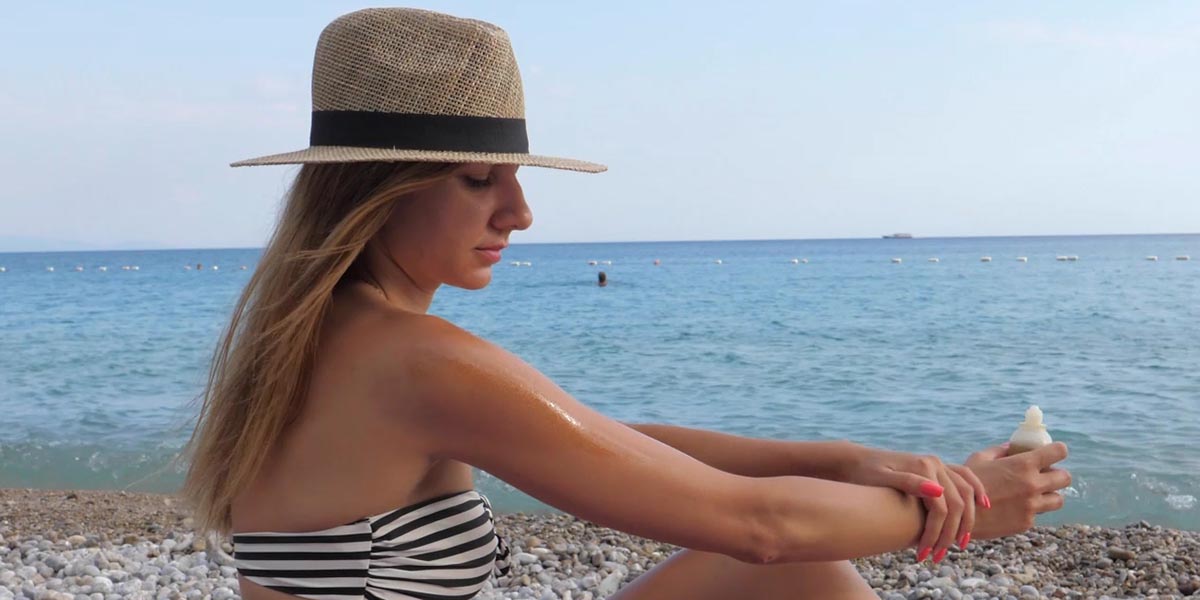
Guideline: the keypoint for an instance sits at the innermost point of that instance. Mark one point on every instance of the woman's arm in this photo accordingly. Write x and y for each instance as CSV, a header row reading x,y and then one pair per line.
x,y
951,509
754,457
468,400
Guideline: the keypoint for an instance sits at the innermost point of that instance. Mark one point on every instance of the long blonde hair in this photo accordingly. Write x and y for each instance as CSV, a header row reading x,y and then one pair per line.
x,y
260,371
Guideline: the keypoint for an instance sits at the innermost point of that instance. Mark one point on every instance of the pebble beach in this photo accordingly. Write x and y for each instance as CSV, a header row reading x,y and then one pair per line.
x,y
104,545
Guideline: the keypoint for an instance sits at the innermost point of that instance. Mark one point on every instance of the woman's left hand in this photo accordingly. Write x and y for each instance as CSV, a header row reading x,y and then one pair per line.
x,y
926,477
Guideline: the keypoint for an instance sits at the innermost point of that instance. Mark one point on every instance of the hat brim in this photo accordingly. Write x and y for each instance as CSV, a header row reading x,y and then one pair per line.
x,y
346,154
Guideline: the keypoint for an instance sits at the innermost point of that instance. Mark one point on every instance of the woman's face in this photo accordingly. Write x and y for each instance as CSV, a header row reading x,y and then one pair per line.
x,y
452,233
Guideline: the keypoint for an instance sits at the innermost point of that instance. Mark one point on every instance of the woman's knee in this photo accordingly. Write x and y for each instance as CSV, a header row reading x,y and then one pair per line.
x,y
703,575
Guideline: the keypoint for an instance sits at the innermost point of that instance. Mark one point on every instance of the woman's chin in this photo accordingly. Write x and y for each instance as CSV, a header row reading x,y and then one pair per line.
x,y
476,280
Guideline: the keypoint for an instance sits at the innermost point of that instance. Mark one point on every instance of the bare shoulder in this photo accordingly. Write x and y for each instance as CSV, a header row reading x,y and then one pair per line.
x,y
400,343
453,373
411,363
438,370
368,334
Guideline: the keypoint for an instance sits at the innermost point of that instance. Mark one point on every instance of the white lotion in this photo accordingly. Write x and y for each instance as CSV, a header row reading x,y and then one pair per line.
x,y
1030,435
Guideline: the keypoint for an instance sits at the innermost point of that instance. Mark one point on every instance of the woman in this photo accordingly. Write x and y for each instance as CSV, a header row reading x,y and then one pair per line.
x,y
341,422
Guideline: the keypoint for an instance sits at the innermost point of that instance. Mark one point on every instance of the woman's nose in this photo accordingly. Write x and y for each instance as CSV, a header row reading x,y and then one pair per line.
x,y
515,213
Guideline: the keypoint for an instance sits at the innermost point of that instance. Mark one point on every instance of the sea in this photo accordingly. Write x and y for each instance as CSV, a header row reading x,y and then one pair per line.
x,y
871,340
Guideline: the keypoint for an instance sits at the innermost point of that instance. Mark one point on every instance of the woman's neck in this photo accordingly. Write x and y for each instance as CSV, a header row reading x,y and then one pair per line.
x,y
393,283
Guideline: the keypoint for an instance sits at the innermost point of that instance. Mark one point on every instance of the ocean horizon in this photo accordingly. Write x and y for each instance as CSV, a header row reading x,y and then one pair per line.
x,y
782,339
156,247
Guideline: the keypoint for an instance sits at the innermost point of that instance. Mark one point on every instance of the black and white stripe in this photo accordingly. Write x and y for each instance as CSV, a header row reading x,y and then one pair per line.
x,y
440,549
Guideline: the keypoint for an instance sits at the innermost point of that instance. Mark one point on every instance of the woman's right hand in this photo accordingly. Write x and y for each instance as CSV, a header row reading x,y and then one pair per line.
x,y
1020,487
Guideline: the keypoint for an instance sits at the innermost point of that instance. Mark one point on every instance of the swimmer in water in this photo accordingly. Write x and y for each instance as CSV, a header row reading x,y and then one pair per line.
x,y
602,279
336,403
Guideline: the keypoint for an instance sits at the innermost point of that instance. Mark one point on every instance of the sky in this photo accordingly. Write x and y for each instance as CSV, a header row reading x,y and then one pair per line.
x,y
721,121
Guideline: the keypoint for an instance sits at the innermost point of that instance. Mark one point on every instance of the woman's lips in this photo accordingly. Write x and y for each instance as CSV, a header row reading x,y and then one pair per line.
x,y
492,255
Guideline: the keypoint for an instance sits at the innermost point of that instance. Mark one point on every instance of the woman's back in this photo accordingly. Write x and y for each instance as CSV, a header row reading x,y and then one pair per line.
x,y
346,454
368,505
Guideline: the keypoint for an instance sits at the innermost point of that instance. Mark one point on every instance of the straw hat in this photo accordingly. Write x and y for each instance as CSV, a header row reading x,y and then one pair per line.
x,y
401,84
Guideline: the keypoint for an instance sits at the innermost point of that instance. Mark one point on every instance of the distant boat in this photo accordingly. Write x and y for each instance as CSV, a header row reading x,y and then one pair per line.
x,y
898,236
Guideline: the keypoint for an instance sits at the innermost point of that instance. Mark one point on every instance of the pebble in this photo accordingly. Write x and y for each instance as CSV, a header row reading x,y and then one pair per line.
x,y
1189,586
610,584
940,582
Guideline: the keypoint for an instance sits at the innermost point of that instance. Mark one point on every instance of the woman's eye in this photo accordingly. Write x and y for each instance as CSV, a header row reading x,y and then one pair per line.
x,y
476,183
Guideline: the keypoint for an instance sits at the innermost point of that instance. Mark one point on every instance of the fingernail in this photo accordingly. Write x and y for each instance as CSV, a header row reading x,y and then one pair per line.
x,y
966,539
924,553
939,556
987,503
931,489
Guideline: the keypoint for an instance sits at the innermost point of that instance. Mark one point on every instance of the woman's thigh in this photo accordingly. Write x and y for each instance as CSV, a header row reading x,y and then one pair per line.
x,y
693,575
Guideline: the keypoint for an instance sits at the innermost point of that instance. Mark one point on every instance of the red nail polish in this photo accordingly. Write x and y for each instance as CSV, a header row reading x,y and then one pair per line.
x,y
966,539
924,553
939,556
987,503
931,489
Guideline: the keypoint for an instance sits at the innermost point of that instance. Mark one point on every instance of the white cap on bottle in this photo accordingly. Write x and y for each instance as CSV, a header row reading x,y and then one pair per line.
x,y
1033,417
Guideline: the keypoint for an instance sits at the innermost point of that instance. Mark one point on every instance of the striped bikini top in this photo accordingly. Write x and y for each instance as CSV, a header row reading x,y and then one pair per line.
x,y
442,548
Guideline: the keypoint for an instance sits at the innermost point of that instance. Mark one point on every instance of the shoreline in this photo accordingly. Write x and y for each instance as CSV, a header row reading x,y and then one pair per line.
x,y
60,543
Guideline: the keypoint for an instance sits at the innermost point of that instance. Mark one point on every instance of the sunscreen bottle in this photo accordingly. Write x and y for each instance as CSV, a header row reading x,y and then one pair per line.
x,y
1030,435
